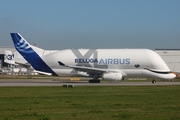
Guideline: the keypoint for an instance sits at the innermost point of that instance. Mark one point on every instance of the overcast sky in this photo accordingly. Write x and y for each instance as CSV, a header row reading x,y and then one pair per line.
x,y
62,24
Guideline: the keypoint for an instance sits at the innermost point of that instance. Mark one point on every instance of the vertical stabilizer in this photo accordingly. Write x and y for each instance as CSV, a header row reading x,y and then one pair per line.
x,y
31,54
8,57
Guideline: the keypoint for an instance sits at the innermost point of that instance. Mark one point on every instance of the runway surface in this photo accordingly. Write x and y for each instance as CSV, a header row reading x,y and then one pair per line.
x,y
51,82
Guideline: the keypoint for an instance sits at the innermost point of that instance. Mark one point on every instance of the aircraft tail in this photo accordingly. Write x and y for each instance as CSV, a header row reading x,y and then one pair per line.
x,y
8,57
31,54
23,47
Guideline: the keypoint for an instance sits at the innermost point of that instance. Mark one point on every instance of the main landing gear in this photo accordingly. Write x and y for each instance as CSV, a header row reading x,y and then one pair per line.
x,y
94,81
154,81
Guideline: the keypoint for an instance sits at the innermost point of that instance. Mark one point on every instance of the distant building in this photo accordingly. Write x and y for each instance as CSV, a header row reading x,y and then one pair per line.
x,y
2,49
171,58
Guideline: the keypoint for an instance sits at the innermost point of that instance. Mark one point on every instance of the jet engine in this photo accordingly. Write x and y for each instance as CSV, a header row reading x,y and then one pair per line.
x,y
112,76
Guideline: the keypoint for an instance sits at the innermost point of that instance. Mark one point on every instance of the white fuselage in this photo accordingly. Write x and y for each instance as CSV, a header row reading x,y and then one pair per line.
x,y
112,64
130,62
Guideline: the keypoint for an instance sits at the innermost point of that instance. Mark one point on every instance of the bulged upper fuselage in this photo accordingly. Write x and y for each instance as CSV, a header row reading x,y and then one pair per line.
x,y
131,62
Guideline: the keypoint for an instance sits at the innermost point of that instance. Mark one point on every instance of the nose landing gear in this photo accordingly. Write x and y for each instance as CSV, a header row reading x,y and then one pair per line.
x,y
154,81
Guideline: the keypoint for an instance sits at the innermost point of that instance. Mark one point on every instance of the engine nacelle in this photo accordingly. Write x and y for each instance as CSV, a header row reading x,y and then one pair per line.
x,y
112,76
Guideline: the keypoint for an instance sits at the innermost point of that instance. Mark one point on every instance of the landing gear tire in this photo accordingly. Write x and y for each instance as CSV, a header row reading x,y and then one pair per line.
x,y
94,81
154,81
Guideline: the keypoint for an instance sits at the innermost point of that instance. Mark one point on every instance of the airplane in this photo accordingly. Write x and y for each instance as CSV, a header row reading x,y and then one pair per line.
x,y
15,59
8,57
19,61
108,64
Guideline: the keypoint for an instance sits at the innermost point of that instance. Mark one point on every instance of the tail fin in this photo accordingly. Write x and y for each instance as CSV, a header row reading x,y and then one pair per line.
x,y
23,47
30,53
8,57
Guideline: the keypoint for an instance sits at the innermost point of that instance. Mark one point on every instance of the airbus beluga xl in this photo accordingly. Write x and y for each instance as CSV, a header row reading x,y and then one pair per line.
x,y
108,64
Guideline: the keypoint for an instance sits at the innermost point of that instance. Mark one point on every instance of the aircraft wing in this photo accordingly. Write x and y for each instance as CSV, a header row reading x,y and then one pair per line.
x,y
89,70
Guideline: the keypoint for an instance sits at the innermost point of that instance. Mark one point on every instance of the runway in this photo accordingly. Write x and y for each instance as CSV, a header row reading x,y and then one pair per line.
x,y
52,82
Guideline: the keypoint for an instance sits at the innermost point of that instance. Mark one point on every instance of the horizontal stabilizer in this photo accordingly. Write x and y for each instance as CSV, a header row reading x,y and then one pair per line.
x,y
25,65
44,73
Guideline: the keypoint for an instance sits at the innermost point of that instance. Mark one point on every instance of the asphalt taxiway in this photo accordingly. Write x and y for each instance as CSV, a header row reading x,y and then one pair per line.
x,y
52,82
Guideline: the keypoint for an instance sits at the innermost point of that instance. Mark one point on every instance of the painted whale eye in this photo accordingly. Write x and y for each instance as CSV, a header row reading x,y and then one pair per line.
x,y
136,65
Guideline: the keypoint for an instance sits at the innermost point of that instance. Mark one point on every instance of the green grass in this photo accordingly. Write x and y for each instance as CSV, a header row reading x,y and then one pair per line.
x,y
95,102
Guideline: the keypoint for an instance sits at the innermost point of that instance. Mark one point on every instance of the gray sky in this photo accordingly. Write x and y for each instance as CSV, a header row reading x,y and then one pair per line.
x,y
62,24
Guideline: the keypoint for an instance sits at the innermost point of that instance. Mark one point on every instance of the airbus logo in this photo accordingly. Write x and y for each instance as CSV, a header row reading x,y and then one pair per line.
x,y
90,58
108,61
115,61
